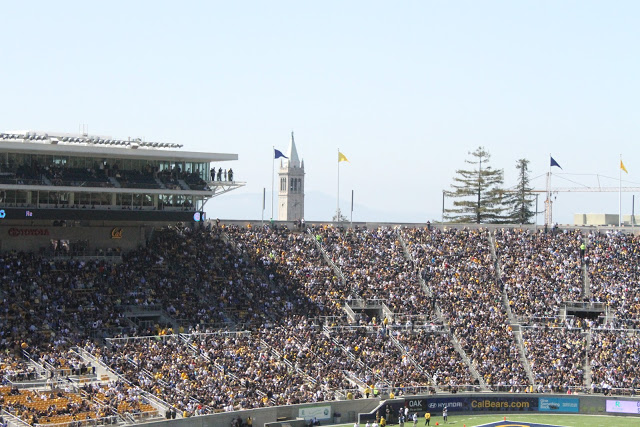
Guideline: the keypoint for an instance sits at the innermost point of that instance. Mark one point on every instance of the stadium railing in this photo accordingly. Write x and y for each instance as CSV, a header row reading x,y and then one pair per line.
x,y
420,390
139,416
416,320
15,421
330,321
112,419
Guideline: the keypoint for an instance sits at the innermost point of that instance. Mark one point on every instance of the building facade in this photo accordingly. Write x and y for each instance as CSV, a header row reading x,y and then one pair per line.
x,y
88,192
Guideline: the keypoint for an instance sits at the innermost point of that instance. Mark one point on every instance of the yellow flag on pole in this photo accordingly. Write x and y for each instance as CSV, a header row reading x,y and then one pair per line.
x,y
622,167
342,158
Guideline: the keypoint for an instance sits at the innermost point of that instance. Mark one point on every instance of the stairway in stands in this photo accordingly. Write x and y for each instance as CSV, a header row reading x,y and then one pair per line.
x,y
515,327
454,341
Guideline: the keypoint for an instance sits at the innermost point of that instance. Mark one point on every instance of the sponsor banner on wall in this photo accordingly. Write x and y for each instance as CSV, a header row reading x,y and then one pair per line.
x,y
623,406
453,404
558,404
319,412
416,405
27,232
473,404
504,403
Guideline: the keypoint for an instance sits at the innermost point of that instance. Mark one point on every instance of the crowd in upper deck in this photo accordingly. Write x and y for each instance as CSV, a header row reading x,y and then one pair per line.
x,y
108,174
613,262
540,271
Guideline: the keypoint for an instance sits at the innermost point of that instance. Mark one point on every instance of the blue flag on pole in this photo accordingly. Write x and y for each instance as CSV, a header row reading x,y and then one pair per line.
x,y
554,163
278,154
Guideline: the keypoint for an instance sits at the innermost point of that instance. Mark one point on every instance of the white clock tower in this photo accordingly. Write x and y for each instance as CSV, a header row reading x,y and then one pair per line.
x,y
291,193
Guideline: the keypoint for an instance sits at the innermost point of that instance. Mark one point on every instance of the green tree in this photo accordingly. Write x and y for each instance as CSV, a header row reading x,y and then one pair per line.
x,y
477,191
519,202
339,217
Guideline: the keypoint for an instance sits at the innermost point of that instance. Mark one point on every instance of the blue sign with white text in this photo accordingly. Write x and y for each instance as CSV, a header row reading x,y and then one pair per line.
x,y
559,404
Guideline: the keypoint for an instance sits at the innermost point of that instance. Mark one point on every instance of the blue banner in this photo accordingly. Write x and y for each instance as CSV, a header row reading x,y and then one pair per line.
x,y
558,404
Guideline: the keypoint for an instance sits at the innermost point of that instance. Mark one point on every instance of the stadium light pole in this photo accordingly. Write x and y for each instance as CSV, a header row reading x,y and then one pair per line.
x,y
351,208
443,194
536,227
633,212
272,179
264,196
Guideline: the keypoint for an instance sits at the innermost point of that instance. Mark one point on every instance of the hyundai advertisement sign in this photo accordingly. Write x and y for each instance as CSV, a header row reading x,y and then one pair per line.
x,y
473,404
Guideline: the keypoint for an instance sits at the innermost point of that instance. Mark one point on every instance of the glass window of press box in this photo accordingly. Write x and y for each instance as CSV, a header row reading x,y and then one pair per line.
x,y
20,162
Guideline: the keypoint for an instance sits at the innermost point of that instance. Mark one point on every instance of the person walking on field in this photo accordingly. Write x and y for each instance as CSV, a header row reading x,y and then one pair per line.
x,y
427,418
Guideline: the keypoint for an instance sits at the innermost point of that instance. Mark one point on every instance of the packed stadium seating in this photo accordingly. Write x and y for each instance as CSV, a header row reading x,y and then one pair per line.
x,y
540,271
254,316
458,266
614,272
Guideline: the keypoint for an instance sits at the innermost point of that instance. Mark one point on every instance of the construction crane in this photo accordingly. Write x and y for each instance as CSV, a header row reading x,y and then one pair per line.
x,y
588,190
548,211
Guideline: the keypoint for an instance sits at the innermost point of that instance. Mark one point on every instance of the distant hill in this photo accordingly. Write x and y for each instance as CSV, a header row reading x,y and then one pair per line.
x,y
318,207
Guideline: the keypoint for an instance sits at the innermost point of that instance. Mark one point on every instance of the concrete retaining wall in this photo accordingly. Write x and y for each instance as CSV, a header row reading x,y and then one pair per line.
x,y
461,403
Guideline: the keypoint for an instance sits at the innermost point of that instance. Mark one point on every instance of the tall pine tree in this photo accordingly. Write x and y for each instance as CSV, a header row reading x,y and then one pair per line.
x,y
477,191
519,201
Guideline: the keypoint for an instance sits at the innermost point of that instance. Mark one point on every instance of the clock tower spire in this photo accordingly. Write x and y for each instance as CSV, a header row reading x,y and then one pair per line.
x,y
291,190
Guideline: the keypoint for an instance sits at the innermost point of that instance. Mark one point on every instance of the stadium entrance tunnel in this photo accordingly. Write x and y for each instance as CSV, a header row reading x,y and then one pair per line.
x,y
586,310
366,310
146,318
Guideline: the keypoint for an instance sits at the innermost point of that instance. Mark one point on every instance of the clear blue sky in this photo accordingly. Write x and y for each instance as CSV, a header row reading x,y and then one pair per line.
x,y
404,89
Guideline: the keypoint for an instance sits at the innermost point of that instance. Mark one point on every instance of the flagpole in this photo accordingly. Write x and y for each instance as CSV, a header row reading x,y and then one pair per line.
x,y
351,208
620,193
338,198
633,212
273,150
547,210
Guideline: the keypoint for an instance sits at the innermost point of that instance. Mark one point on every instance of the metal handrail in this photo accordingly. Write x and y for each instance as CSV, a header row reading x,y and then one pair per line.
x,y
87,422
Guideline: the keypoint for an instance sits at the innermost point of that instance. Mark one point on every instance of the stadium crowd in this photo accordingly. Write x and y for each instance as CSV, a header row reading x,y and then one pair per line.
x,y
379,362
615,359
375,267
435,352
613,260
540,271
458,267
299,343
297,263
557,357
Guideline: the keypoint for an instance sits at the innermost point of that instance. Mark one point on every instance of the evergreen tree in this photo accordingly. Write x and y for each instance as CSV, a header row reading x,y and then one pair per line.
x,y
339,217
477,191
520,201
